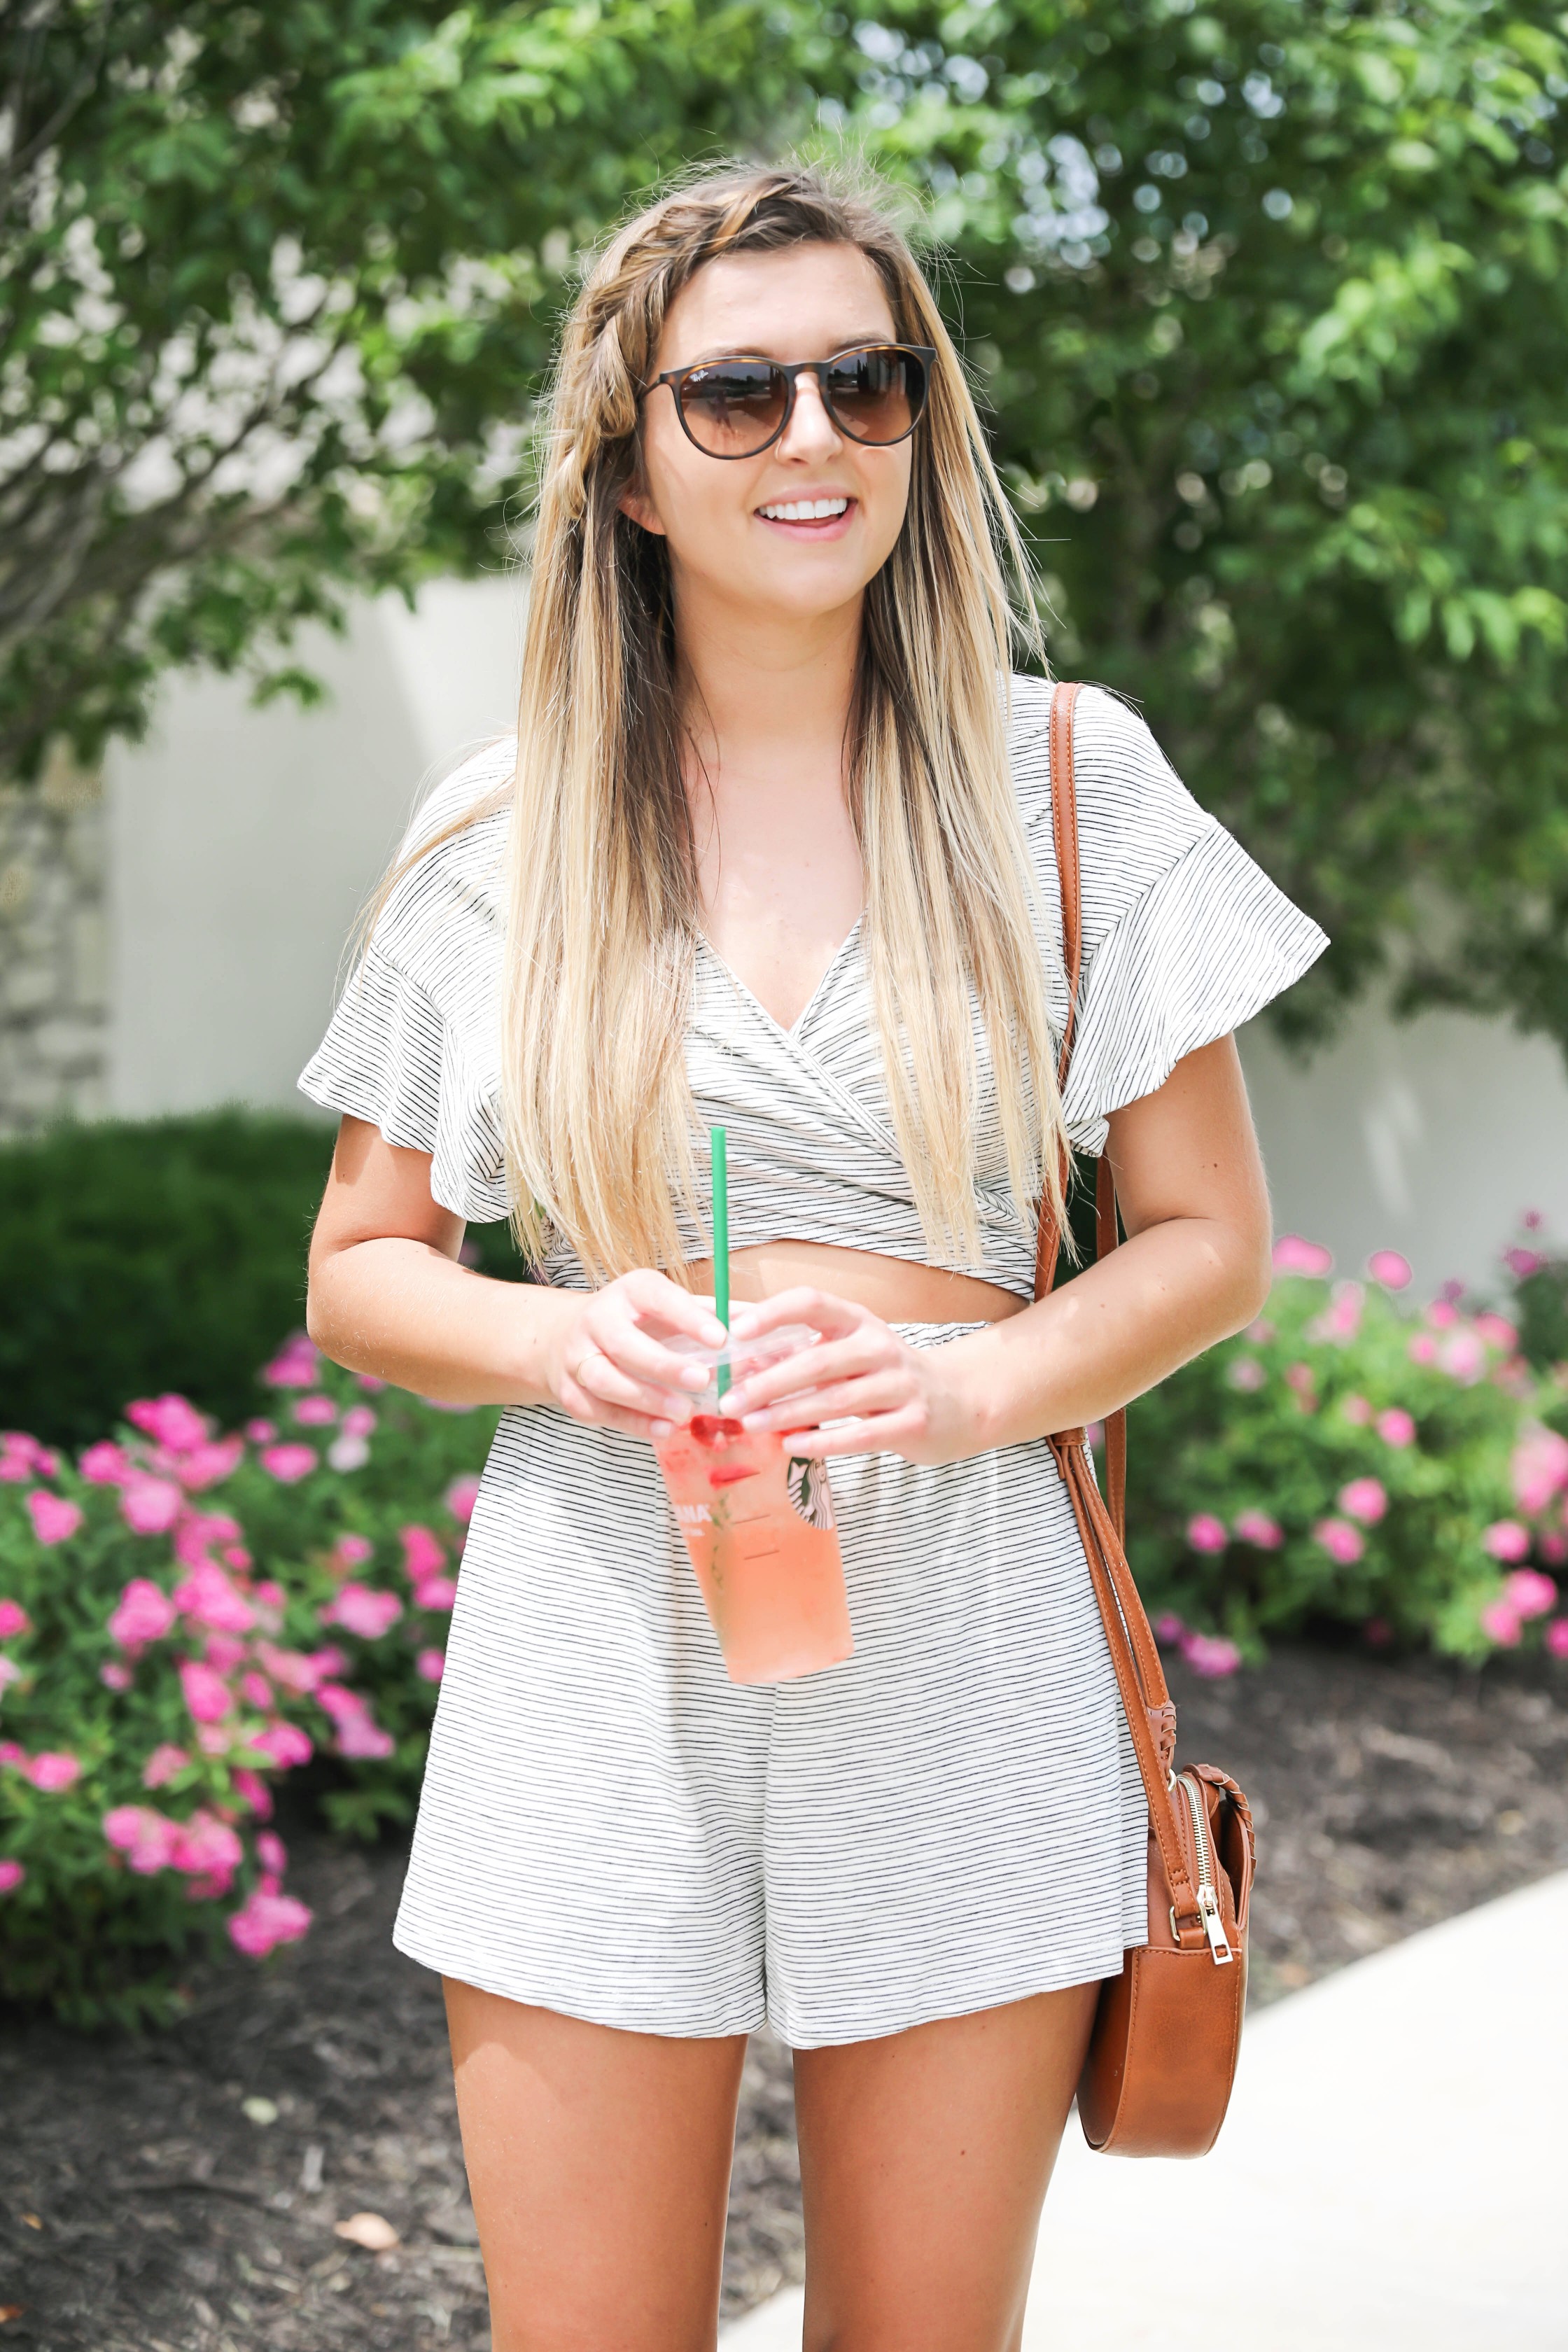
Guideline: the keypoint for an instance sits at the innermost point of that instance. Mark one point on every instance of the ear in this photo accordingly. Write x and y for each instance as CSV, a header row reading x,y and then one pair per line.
x,y
638,507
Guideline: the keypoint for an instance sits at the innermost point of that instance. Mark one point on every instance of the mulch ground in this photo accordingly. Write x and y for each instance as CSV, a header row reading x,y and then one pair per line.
x,y
178,2194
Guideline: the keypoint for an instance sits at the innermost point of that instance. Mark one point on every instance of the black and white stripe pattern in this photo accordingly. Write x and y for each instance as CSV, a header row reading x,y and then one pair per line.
x,y
951,1819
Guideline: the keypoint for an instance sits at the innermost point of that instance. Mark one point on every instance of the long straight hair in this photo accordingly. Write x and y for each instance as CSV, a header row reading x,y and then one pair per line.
x,y
604,897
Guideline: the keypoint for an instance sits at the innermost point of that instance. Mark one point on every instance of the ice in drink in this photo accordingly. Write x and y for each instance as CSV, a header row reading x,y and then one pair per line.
x,y
758,1525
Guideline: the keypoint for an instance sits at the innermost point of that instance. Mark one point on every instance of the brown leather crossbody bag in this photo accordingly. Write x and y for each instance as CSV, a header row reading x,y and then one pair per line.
x,y
1161,2055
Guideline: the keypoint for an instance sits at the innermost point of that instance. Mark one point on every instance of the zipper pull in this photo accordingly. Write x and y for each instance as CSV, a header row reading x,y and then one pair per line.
x,y
1214,1927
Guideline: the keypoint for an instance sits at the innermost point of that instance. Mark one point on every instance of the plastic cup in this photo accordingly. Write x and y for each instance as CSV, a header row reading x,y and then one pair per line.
x,y
758,1526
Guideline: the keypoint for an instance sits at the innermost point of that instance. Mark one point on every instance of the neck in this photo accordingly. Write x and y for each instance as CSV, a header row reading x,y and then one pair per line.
x,y
755,685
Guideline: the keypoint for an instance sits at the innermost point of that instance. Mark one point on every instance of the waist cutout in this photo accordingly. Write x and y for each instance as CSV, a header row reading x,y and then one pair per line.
x,y
896,1288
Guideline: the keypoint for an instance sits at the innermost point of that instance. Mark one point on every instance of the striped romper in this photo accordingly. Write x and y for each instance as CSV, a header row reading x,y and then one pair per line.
x,y
952,1818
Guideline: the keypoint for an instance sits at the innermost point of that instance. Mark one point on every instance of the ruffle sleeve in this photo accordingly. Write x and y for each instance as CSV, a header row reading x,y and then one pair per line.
x,y
413,1047
1184,935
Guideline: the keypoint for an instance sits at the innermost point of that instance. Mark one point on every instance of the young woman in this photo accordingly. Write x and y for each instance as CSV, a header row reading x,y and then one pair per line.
x,y
774,849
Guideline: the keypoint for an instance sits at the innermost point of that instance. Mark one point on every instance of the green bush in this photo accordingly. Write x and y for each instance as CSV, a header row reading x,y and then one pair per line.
x,y
139,1257
181,1618
1344,1463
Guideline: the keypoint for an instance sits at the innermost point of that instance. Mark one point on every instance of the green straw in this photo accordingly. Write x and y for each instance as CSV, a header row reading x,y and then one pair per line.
x,y
718,1146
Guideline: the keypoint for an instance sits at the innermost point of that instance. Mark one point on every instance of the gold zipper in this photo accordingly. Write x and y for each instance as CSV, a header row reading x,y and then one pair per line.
x,y
1209,1898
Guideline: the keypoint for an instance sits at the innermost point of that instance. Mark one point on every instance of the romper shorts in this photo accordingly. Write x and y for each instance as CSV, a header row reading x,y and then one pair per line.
x,y
949,1819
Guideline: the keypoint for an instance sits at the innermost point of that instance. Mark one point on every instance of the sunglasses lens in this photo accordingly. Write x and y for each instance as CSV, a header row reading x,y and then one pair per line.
x,y
733,407
877,394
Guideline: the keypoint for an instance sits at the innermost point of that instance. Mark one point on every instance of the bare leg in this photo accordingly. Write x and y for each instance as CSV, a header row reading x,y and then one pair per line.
x,y
924,2160
599,2166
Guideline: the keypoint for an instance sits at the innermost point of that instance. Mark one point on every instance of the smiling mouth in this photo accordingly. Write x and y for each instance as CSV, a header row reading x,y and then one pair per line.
x,y
798,511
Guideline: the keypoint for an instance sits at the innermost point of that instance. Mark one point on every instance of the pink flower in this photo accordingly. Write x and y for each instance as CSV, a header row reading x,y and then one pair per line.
x,y
1463,1357
206,1694
296,1365
264,1921
1506,1539
1260,1332
370,1383
339,1702
1356,1411
1294,1256
1206,1533
11,1877
106,1463
359,1736
1387,1266
1529,1593
208,1466
436,1593
208,1597
359,1420
1341,1319
1303,1381
115,1677
294,1668
1422,1349
143,1613
1340,1541
53,1518
288,1464
1500,1623
162,1764
1540,1469
315,1411
53,1770
1553,1548
1498,1331
170,1420
350,1551
1245,1372
255,1792
360,1611
199,1531
1168,1627
207,1847
1556,1637
13,1755
283,1744
1365,1499
14,1619
1395,1426
429,1664
1257,1527
422,1556
15,1465
464,1493
223,1653
1210,1654
260,1432
255,1691
1522,1263
347,1452
272,1853
149,1506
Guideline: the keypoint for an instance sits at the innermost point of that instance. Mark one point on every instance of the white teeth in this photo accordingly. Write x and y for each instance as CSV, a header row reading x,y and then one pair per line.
x,y
805,510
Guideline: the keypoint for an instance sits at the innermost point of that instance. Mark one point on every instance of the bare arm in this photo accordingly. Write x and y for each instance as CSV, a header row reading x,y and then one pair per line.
x,y
388,1295
1194,1269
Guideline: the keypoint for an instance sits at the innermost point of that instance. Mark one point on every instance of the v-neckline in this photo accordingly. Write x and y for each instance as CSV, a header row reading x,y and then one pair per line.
x,y
812,1002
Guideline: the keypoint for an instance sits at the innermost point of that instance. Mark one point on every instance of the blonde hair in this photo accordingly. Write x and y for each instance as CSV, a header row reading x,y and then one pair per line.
x,y
605,908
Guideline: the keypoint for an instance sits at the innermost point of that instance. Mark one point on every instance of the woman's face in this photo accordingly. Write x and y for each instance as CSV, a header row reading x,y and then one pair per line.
x,y
730,549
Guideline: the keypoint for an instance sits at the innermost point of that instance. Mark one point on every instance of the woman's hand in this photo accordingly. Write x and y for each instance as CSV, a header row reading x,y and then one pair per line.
x,y
914,1401
606,1363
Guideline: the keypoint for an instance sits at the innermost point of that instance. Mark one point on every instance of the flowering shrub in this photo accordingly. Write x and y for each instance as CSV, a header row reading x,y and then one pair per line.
x,y
1344,1461
183,1618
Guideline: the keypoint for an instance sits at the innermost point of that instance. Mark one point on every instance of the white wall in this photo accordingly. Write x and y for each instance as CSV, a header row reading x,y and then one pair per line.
x,y
244,844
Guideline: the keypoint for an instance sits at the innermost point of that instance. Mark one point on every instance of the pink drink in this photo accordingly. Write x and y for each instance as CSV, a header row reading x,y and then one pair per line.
x,y
759,1526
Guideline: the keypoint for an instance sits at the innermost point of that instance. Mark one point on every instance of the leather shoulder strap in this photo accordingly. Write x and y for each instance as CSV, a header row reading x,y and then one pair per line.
x,y
1064,829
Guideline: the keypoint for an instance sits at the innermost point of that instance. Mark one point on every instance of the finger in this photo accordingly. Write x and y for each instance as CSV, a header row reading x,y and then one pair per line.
x,y
863,1351
879,1393
825,1313
612,1386
882,1433
641,1357
591,1413
654,1294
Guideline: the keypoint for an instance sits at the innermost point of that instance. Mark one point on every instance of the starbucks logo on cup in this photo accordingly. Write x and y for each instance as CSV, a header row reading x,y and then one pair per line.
x,y
806,1483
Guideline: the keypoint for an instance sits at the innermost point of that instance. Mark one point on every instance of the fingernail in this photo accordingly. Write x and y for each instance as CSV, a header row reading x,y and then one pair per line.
x,y
695,1376
662,1428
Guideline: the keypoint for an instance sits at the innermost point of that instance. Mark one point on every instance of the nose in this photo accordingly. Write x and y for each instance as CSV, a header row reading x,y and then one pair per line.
x,y
811,431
